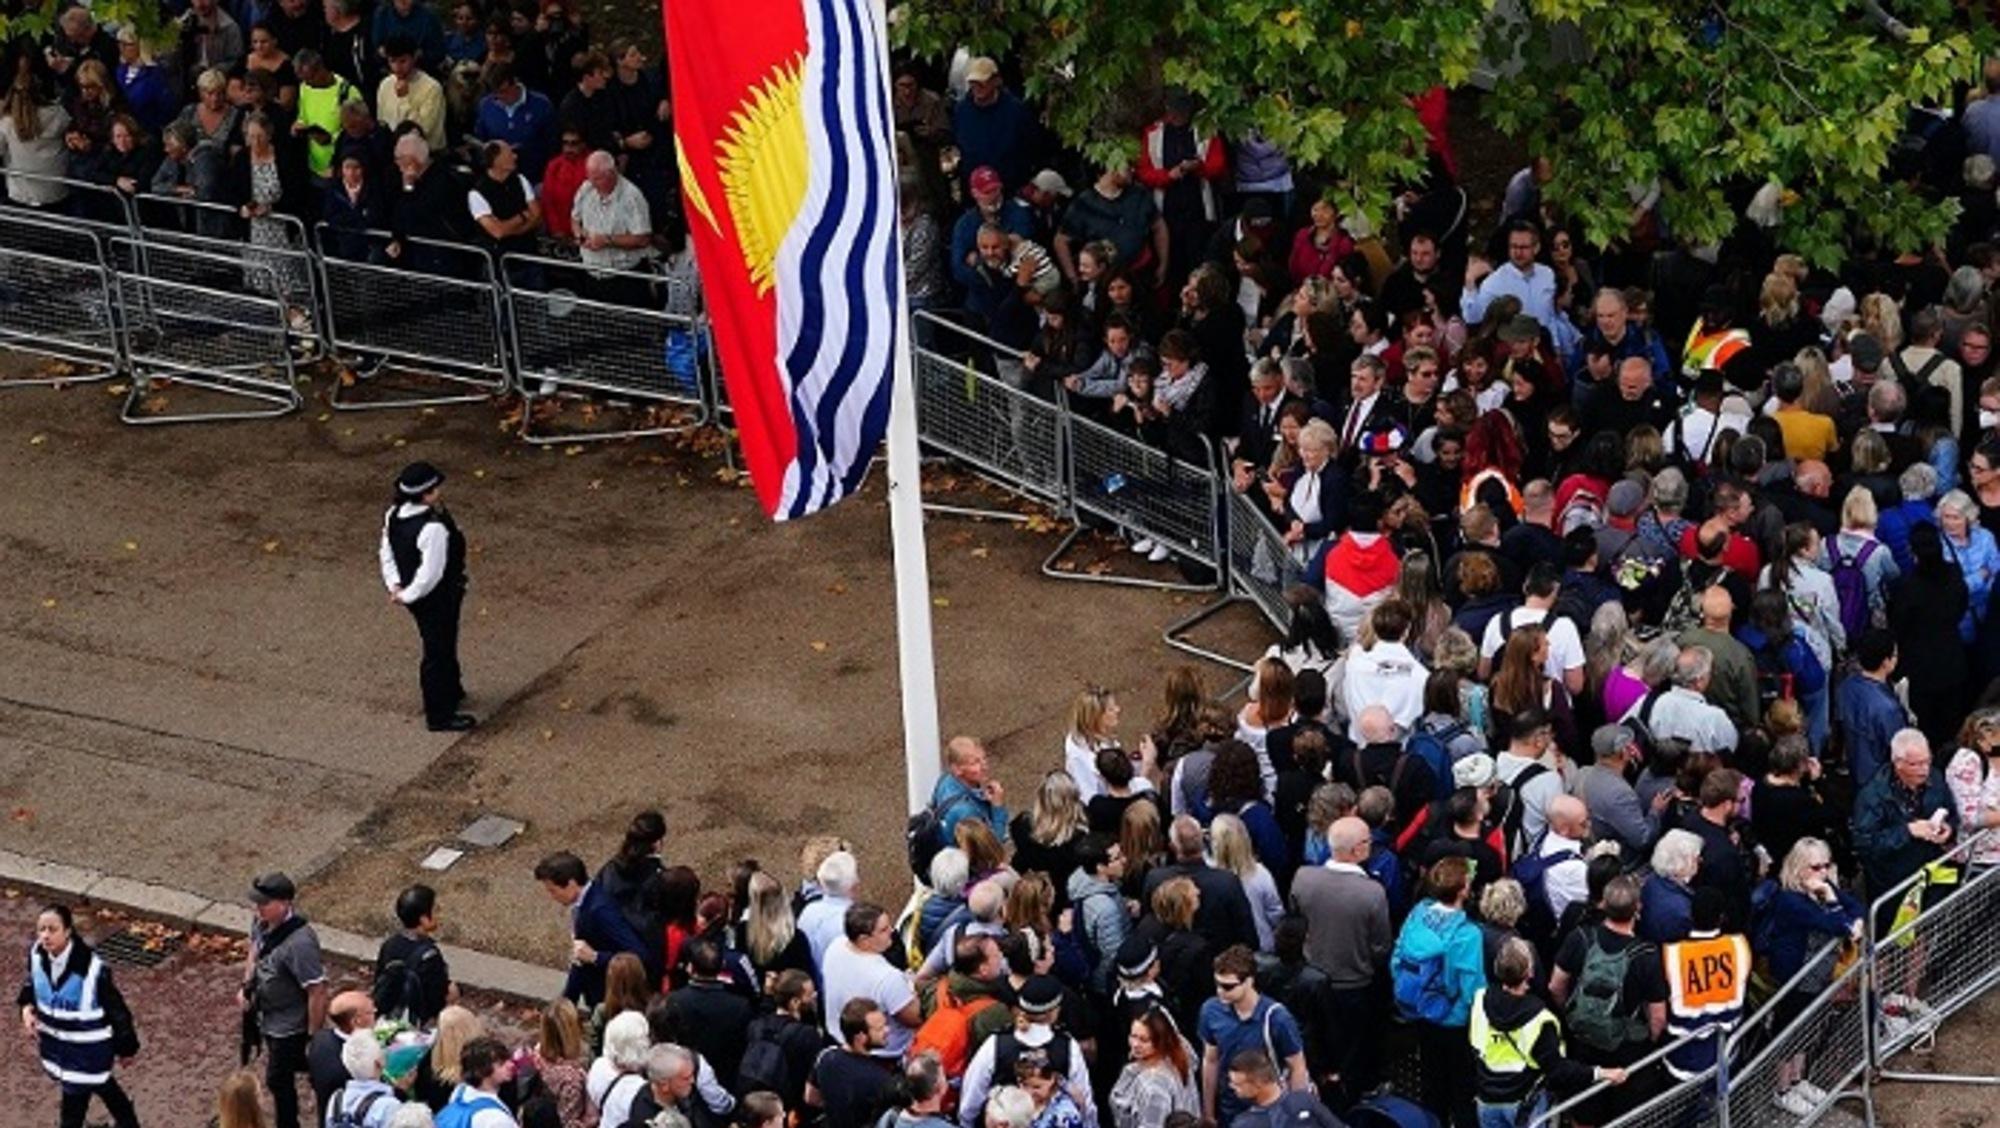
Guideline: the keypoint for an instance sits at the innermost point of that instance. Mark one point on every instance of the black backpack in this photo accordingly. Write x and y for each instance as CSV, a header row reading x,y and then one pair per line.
x,y
399,987
923,837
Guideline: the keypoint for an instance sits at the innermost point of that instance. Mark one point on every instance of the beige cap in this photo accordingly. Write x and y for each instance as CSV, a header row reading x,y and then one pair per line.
x,y
981,69
1049,180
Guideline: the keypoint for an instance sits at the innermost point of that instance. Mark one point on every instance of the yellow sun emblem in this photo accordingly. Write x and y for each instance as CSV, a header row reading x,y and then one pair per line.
x,y
761,160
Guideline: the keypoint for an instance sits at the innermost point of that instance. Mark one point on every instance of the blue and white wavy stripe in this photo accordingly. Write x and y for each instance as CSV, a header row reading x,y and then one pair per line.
x,y
839,272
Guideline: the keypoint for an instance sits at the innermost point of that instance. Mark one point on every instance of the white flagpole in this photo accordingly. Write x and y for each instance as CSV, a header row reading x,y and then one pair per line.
x,y
922,746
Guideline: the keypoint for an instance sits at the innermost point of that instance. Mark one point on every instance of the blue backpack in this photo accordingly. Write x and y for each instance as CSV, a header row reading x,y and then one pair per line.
x,y
1420,984
1531,869
459,1113
1433,748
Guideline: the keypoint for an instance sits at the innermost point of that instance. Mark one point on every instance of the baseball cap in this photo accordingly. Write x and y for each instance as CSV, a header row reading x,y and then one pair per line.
x,y
1627,497
273,886
981,69
1475,770
984,179
1049,180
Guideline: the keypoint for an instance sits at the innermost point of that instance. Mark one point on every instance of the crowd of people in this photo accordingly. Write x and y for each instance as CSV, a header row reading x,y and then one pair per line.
x,y
1645,626
503,126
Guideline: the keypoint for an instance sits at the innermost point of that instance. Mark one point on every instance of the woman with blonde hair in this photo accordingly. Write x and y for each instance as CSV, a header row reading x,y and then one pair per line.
x,y
1457,652
1882,318
437,1072
1819,396
561,1060
1809,914
240,1102
769,933
1230,850
211,115
1093,724
1047,834
1856,545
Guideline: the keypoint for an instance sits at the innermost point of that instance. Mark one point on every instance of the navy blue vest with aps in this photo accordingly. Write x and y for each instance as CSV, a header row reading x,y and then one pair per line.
x,y
73,1029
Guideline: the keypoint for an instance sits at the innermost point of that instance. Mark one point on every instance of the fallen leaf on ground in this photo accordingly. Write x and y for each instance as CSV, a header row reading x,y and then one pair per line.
x,y
940,601
38,440
270,546
819,646
50,602
131,546
981,553
479,473
836,588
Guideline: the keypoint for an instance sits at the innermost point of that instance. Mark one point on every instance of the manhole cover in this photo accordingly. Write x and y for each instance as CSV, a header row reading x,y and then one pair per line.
x,y
135,949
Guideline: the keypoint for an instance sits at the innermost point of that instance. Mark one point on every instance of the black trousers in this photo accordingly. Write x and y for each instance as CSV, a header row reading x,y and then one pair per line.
x,y
1448,1077
284,1060
1354,1040
437,625
76,1102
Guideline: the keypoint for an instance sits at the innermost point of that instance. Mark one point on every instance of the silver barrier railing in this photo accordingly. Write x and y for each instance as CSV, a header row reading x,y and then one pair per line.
x,y
579,328
1819,1041
58,299
1641,1114
1007,435
1936,965
432,308
98,208
1172,501
278,242
1260,567
179,334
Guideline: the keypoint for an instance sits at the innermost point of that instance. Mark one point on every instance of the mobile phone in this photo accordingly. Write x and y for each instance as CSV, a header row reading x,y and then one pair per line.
x,y
1937,818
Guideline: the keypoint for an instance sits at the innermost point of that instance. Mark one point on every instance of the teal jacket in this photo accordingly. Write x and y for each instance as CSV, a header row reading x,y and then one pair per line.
x,y
1432,929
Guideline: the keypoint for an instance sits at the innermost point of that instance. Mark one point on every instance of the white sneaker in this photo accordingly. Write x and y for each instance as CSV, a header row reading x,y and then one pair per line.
x,y
1794,1101
1143,545
1159,554
1813,1093
1893,1027
547,389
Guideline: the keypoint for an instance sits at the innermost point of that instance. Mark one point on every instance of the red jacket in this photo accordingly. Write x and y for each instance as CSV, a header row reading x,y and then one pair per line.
x,y
560,182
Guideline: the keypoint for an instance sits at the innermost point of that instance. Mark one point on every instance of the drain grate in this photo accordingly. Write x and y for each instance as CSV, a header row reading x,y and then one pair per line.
x,y
136,949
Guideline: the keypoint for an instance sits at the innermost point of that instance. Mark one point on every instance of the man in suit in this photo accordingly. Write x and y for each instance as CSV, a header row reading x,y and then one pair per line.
x,y
1368,406
1258,430
598,930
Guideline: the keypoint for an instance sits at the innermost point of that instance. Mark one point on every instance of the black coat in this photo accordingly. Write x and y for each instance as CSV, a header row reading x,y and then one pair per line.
x,y
1924,612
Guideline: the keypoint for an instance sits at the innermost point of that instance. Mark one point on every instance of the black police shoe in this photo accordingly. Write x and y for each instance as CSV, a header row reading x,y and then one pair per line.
x,y
457,722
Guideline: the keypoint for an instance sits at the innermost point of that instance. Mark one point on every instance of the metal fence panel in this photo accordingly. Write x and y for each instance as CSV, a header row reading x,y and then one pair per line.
x,y
1005,433
286,269
1821,1040
236,344
1261,564
98,208
1938,964
1169,500
437,309
1687,1104
601,330
64,308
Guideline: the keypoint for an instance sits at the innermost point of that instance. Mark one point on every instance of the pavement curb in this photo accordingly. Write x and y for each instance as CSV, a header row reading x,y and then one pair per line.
x,y
471,968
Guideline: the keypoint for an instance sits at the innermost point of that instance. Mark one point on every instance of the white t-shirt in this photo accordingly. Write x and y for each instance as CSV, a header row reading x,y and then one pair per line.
x,y
1565,648
853,974
612,1095
1389,676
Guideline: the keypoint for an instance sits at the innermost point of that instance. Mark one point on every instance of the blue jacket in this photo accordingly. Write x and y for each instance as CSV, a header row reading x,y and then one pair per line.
x,y
421,27
1868,713
954,801
1894,529
1795,654
529,128
1980,561
1883,812
1666,910
600,924
1799,926
1001,135
1638,341
1433,930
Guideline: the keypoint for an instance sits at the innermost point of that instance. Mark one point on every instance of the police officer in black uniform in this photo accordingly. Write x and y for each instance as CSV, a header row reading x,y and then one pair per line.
x,y
423,566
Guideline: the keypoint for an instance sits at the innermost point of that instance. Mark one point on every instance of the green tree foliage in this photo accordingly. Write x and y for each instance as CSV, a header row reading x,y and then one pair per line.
x,y
36,19
1328,82
1694,96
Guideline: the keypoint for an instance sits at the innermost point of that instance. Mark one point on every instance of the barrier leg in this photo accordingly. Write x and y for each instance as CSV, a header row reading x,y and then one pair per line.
x,y
529,397
1173,633
1068,542
341,402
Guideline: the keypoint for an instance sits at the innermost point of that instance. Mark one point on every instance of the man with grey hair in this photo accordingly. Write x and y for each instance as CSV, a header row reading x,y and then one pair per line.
x,y
1919,483
1684,713
1223,917
925,1089
1667,898
1616,815
984,908
1904,819
1924,364
1888,401
1258,427
1349,937
614,227
822,921
426,205
366,1100
667,1099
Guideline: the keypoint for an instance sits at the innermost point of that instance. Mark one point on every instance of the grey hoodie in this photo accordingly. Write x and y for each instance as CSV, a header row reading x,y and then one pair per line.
x,y
1098,909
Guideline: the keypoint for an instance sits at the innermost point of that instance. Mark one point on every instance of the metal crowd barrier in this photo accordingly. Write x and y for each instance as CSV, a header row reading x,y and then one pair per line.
x,y
436,312
233,344
1009,436
99,208
1824,1043
1670,1109
584,328
58,299
1259,566
1171,501
1931,968
219,229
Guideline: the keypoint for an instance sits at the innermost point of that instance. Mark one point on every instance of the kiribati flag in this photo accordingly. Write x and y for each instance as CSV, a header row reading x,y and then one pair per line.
x,y
788,171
